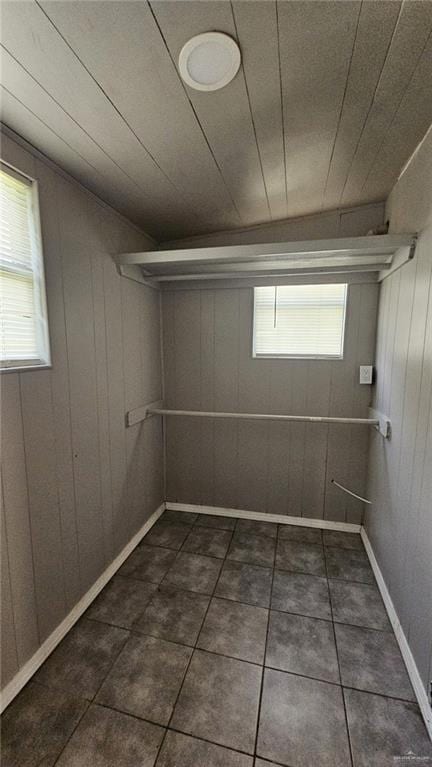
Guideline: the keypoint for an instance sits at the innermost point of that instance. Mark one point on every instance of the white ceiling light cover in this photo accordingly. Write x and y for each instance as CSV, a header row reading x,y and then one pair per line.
x,y
209,61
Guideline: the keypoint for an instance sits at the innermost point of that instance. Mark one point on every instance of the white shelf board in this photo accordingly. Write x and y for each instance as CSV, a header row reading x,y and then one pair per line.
x,y
372,253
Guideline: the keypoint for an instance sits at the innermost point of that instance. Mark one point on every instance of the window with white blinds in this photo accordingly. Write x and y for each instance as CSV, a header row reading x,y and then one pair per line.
x,y
23,321
299,321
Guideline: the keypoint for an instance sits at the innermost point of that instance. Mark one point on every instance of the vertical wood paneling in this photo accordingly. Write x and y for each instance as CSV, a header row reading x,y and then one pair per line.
x,y
187,345
279,468
417,389
45,523
316,439
399,522
359,441
226,345
134,395
116,403
102,400
279,437
344,376
297,438
60,390
9,655
207,378
76,244
152,457
168,325
65,487
253,396
18,534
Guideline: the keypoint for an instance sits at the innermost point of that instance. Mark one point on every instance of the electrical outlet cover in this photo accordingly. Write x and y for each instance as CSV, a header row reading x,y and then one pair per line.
x,y
366,374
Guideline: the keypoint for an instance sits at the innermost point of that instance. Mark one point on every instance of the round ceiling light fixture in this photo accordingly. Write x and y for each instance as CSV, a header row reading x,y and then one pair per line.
x,y
209,61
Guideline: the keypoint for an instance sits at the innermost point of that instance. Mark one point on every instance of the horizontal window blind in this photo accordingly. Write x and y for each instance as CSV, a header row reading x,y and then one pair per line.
x,y
299,320
23,333
15,222
17,317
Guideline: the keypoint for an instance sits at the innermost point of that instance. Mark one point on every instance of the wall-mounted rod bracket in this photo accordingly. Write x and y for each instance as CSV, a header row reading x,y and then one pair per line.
x,y
136,274
142,413
384,423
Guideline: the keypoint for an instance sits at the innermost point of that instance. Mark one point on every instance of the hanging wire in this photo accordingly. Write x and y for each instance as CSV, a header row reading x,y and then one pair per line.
x,y
275,306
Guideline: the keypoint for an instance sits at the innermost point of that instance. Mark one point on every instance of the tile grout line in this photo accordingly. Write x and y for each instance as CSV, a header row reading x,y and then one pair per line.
x,y
247,604
249,662
338,662
88,704
91,701
173,729
167,726
265,645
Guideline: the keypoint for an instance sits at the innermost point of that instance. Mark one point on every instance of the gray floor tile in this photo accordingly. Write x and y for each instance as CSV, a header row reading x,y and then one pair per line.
x,y
170,535
303,646
216,520
82,660
256,527
105,738
184,517
302,722
208,541
264,763
343,540
371,660
348,565
184,751
245,583
300,557
122,601
383,731
254,549
174,614
194,572
37,725
148,563
359,604
235,629
302,594
300,534
146,678
219,701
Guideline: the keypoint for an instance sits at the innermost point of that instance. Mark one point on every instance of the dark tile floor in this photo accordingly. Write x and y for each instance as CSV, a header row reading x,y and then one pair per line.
x,y
225,643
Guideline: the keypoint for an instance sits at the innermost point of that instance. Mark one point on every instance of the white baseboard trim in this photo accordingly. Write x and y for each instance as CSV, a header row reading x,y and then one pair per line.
x,y
324,524
404,647
31,666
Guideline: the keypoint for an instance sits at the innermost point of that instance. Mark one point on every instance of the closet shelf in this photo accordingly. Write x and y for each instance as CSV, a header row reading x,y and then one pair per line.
x,y
378,253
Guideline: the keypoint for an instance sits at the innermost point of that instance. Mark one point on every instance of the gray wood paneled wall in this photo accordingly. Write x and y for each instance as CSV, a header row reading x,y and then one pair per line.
x,y
263,466
399,523
76,484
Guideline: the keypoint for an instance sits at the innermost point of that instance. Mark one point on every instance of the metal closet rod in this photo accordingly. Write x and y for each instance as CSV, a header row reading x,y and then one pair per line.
x,y
262,416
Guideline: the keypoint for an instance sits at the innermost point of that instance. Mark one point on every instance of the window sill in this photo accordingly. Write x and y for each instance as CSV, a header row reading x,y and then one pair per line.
x,y
323,358
25,368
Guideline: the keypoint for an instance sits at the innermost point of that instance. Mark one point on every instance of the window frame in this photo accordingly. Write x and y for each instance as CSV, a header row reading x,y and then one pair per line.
x,y
319,357
43,361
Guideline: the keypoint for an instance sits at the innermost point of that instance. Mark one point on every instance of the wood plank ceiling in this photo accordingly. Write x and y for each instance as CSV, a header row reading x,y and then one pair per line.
x,y
330,102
